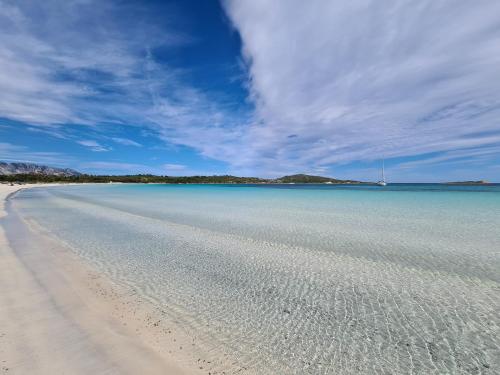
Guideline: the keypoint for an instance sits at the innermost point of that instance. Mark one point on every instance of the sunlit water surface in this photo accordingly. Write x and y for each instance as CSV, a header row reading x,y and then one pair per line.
x,y
301,279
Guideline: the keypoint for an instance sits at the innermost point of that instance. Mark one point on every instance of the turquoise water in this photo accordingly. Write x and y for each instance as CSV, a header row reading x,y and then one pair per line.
x,y
301,279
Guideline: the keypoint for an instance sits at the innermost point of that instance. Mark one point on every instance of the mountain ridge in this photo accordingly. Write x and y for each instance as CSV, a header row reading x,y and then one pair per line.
x,y
16,168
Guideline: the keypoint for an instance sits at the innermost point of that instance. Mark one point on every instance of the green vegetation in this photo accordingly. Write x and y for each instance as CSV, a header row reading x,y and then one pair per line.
x,y
147,178
141,178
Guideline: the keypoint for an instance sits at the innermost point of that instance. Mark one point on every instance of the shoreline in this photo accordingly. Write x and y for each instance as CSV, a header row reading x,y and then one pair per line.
x,y
58,315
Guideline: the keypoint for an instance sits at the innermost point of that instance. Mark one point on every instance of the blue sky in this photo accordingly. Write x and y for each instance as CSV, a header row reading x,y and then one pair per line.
x,y
252,87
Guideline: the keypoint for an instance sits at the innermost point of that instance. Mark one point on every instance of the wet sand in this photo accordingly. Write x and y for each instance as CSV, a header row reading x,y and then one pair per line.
x,y
58,316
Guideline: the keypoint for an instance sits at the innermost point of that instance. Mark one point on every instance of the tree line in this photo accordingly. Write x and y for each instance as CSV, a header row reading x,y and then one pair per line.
x,y
140,178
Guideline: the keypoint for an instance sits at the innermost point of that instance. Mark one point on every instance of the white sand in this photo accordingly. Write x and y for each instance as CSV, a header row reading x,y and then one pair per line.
x,y
59,317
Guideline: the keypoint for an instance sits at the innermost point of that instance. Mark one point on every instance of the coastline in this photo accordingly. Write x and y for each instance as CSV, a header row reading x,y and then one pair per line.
x,y
58,315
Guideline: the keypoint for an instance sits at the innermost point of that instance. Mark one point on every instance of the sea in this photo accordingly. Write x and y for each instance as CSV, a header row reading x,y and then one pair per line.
x,y
300,279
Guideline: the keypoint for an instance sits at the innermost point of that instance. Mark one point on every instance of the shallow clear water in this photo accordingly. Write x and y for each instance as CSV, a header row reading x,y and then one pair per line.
x,y
299,279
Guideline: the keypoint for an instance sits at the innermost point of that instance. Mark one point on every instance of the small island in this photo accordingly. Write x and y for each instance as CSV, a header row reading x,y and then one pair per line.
x,y
480,182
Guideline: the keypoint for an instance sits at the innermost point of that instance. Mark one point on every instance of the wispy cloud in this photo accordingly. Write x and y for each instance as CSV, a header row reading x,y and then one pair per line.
x,y
174,167
331,82
463,157
90,63
126,142
93,145
335,82
15,153
116,167
77,62
107,166
56,132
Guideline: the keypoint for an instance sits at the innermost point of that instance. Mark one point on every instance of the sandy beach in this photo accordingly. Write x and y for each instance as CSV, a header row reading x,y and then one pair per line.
x,y
59,317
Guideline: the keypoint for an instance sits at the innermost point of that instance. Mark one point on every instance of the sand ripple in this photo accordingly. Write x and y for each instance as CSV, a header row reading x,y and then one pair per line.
x,y
270,286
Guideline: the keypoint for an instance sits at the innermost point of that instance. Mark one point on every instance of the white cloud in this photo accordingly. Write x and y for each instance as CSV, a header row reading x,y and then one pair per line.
x,y
126,142
115,166
90,62
358,80
462,156
15,153
55,132
174,167
77,62
93,145
332,81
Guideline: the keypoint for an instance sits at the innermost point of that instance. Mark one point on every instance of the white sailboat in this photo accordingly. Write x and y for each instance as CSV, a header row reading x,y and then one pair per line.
x,y
382,182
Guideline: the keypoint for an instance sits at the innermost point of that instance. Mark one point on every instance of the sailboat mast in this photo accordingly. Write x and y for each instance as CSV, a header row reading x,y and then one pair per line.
x,y
383,170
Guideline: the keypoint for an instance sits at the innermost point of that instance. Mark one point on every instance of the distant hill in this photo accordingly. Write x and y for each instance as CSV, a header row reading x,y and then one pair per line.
x,y
30,168
309,179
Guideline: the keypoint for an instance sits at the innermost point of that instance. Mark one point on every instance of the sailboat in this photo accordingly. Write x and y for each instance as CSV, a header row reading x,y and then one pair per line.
x,y
382,182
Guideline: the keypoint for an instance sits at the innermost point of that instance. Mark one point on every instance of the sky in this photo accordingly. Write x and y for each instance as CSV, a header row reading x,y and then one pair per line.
x,y
254,87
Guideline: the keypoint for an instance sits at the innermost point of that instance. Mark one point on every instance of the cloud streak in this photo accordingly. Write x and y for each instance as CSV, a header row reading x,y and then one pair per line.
x,y
15,153
91,63
93,145
126,142
336,82
331,82
81,62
